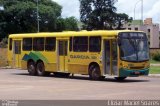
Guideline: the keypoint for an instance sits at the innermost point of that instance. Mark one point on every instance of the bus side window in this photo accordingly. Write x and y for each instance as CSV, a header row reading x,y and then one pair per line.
x,y
80,44
38,44
70,44
27,44
10,44
95,44
50,44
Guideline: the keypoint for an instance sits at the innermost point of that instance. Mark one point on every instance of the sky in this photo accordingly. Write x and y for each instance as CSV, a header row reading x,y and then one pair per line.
x,y
151,8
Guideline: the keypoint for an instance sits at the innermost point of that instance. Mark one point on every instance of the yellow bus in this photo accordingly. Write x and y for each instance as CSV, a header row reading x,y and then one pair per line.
x,y
117,53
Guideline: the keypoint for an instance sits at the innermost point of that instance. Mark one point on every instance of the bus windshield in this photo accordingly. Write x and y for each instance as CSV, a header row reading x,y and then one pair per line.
x,y
133,47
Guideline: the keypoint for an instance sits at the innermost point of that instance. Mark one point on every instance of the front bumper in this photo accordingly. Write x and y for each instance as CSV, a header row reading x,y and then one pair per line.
x,y
133,73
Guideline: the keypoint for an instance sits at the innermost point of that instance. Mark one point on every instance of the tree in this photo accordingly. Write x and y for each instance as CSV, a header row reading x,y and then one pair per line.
x,y
20,16
67,24
71,23
60,24
100,14
121,19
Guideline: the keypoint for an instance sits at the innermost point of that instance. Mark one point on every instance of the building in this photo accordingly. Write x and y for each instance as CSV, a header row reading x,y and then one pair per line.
x,y
152,30
148,21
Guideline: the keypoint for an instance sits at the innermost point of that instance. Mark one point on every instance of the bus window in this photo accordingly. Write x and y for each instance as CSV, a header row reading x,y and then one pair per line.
x,y
10,44
38,44
27,44
17,47
70,46
80,44
95,44
50,44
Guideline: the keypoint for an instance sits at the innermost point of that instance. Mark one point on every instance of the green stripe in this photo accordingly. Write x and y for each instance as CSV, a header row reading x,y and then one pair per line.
x,y
35,56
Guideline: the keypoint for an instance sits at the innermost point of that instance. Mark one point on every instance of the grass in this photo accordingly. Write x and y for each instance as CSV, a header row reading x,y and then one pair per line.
x,y
154,62
154,70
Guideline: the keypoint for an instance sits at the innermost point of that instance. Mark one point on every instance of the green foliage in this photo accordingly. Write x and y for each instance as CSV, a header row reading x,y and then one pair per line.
x,y
71,23
154,61
121,19
101,14
67,24
156,56
20,16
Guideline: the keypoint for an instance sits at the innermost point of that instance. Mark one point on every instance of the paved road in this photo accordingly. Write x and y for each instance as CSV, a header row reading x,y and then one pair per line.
x,y
18,85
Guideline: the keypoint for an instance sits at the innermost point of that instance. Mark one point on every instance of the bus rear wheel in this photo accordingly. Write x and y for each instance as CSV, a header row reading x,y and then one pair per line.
x,y
94,73
31,68
41,69
120,78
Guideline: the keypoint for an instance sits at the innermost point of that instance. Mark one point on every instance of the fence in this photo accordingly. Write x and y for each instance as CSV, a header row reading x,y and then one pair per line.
x,y
3,57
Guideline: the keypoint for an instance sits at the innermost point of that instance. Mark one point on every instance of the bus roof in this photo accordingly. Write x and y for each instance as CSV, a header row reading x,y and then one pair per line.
x,y
105,33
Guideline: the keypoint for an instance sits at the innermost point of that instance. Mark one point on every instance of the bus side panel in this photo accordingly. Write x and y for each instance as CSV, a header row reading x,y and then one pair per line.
x,y
10,59
9,53
51,65
23,65
23,62
79,62
48,58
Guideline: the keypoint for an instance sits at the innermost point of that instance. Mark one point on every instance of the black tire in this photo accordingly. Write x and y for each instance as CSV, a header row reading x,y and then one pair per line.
x,y
102,77
31,68
120,78
41,69
94,73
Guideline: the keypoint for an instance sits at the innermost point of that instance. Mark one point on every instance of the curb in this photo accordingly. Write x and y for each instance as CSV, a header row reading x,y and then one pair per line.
x,y
8,67
154,64
154,75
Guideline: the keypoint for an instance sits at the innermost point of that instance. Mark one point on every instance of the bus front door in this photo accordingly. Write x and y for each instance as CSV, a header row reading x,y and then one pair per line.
x,y
110,57
17,54
62,55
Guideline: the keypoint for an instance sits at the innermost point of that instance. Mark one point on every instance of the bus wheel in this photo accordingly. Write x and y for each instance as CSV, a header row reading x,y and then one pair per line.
x,y
41,69
31,68
94,73
120,78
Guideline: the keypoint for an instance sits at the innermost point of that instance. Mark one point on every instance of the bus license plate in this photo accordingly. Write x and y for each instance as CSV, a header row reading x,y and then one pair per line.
x,y
137,73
